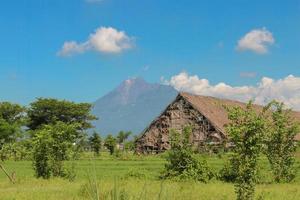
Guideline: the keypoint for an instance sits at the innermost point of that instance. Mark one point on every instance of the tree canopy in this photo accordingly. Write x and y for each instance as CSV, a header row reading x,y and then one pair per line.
x,y
11,120
95,143
110,143
49,111
122,136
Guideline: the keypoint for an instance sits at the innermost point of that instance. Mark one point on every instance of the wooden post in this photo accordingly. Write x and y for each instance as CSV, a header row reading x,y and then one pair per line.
x,y
5,172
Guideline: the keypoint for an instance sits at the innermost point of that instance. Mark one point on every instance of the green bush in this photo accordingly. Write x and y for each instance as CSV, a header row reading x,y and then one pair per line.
x,y
17,151
280,143
182,163
227,173
246,130
53,144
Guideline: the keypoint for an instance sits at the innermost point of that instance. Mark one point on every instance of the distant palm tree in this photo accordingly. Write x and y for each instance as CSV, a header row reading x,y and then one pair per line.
x,y
123,136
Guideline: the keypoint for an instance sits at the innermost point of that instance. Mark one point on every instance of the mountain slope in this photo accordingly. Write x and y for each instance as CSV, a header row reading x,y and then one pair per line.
x,y
131,106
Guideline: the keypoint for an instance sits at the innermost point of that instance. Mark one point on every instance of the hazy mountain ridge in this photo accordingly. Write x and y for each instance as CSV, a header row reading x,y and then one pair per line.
x,y
131,106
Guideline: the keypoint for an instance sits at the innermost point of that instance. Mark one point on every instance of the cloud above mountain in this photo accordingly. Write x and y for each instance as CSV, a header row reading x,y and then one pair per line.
x,y
106,40
257,40
286,90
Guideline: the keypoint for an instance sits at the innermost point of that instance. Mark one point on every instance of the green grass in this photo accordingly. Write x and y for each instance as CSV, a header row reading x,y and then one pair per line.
x,y
132,177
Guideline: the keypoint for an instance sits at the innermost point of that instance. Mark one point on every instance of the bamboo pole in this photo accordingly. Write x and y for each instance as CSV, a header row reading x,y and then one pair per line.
x,y
5,172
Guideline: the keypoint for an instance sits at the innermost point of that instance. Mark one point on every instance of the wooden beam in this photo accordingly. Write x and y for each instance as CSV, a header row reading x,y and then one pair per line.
x,y
5,172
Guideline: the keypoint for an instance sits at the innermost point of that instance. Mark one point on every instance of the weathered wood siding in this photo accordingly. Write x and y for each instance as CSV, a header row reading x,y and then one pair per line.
x,y
176,116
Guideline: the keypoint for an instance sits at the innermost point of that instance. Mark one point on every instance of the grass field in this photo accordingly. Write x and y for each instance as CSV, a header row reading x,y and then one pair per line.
x,y
133,177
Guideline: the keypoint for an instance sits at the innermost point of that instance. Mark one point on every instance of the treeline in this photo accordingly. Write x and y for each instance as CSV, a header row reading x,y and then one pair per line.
x,y
51,131
114,145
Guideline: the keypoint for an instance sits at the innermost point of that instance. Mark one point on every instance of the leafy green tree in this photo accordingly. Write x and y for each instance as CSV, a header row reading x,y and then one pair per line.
x,y
246,130
95,143
123,136
182,162
110,143
53,144
280,142
49,111
11,121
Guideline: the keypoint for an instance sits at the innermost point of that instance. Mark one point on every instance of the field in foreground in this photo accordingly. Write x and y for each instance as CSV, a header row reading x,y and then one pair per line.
x,y
132,177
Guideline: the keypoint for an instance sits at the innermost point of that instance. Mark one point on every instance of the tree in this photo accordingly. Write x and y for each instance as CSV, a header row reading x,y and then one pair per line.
x,y
110,143
182,162
49,111
280,142
11,120
95,143
53,144
123,136
246,130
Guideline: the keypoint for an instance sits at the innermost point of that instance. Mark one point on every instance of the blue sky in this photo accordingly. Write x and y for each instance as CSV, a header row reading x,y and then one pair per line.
x,y
163,38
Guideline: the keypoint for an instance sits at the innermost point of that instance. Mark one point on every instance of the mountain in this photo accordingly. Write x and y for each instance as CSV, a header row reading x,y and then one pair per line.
x,y
131,106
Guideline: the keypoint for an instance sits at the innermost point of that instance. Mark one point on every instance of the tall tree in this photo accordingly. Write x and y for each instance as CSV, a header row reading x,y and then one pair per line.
x,y
49,111
95,143
110,143
280,142
11,120
246,130
123,136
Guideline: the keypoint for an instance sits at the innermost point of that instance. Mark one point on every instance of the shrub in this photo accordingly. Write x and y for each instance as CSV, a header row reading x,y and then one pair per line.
x,y
246,130
182,163
53,144
17,151
227,173
280,143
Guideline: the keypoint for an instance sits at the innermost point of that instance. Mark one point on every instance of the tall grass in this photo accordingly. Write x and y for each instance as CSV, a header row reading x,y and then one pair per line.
x,y
135,178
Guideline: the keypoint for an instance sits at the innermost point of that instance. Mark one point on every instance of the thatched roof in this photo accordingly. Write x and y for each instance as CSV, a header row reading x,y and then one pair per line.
x,y
213,109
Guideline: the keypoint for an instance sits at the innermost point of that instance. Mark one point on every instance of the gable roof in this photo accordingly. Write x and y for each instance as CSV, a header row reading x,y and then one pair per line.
x,y
213,109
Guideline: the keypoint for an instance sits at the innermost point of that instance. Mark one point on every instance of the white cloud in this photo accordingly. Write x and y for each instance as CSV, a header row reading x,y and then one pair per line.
x,y
286,90
110,40
103,40
71,47
257,40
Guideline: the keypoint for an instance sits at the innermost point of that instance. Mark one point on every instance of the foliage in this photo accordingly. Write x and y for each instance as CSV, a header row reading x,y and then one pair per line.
x,y
48,111
280,142
246,130
52,144
16,150
182,163
12,113
123,136
110,143
129,146
11,120
228,173
95,143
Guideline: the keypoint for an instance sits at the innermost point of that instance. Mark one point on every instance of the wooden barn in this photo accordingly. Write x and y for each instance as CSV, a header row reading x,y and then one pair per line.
x,y
205,114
